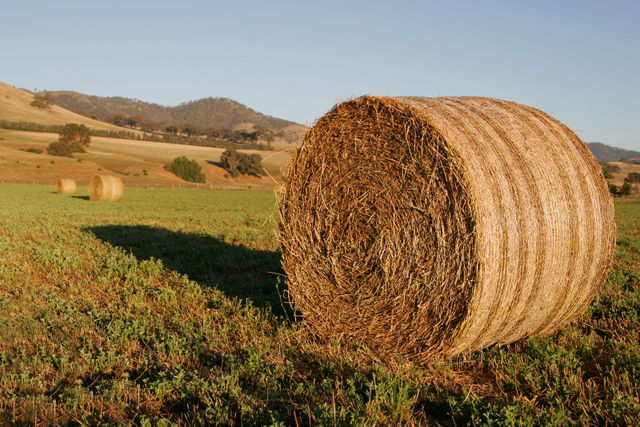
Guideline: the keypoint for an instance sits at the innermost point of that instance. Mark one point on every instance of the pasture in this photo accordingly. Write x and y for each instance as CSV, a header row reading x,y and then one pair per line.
x,y
169,307
136,162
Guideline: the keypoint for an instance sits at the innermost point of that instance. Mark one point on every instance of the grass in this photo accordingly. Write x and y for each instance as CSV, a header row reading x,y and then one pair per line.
x,y
167,307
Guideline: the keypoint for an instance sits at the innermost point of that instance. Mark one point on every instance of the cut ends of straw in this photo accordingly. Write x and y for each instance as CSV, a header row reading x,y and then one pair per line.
x,y
105,188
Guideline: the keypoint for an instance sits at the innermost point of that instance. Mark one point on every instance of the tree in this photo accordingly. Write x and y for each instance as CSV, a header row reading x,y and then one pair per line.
x,y
73,138
625,190
76,135
246,164
41,101
230,159
189,170
60,149
633,177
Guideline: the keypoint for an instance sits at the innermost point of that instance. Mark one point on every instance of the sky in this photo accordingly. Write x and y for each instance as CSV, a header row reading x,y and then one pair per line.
x,y
576,60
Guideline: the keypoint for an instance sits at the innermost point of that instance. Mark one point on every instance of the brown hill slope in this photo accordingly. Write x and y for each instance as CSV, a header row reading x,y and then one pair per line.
x,y
15,107
608,153
207,112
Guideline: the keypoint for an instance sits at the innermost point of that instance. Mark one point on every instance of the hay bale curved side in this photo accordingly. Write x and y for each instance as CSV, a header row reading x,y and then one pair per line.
x,y
105,188
431,226
66,186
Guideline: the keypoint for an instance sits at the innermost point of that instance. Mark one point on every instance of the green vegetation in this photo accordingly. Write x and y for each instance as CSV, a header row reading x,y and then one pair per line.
x,y
633,177
189,170
168,307
623,190
239,163
73,139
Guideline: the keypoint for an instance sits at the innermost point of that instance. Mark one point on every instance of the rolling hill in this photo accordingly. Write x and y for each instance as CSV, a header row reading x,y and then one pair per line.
x,y
206,112
15,107
23,158
607,153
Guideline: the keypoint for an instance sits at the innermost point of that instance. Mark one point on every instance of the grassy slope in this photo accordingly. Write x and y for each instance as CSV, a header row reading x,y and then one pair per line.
x,y
14,107
128,159
167,305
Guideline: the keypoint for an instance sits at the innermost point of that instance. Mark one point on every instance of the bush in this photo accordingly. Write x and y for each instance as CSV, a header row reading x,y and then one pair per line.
x,y
246,164
42,102
189,170
75,134
625,190
61,149
34,150
72,138
632,177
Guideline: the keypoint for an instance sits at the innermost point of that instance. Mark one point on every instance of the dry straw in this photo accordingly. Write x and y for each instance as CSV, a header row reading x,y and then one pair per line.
x,y
437,226
105,188
66,186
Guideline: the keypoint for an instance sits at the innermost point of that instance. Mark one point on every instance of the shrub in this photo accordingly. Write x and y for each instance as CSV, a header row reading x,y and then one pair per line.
x,y
625,190
34,150
633,177
42,102
60,149
189,170
72,138
246,164
75,134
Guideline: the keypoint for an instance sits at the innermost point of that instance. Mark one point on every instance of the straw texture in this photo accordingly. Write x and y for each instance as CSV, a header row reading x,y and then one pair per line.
x,y
66,186
105,188
437,226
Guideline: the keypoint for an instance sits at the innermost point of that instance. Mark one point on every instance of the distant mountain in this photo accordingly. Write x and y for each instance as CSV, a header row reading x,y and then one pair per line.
x,y
208,112
607,153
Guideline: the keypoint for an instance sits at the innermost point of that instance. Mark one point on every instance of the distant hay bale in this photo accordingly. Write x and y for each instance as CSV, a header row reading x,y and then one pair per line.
x,y
105,188
66,186
437,226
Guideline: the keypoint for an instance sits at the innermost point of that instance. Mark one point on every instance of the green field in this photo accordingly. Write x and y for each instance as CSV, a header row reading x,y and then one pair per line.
x,y
168,307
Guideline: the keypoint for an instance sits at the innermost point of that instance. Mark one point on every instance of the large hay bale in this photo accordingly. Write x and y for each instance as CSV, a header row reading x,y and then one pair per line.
x,y
436,226
105,188
66,186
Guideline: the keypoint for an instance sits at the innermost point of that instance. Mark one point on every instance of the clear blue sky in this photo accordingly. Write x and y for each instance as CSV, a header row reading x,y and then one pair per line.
x,y
577,60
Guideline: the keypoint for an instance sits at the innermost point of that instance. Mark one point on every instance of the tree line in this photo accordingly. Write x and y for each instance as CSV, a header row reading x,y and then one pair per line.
x,y
260,137
249,143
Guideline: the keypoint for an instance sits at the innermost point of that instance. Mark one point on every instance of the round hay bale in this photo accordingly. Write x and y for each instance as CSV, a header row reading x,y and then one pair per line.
x,y
105,188
66,186
437,226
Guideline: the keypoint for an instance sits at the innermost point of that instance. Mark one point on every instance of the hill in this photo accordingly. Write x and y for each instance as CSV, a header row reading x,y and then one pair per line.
x,y
220,113
607,153
15,106
23,158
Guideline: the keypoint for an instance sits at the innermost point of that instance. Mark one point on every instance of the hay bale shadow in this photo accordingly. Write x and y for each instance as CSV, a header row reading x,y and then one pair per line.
x,y
236,270
80,197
